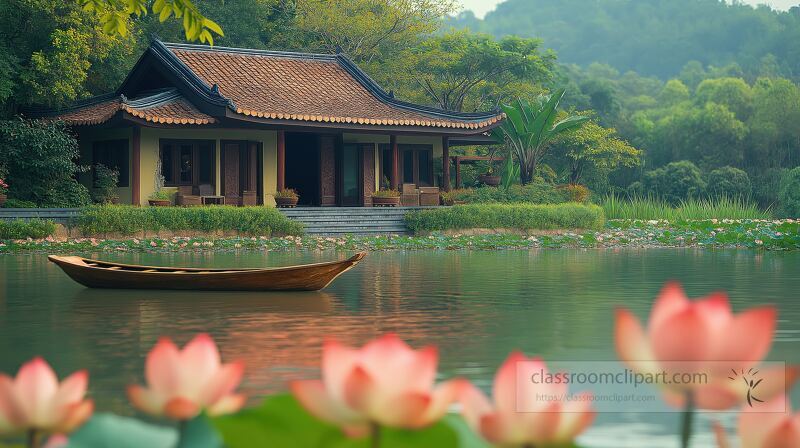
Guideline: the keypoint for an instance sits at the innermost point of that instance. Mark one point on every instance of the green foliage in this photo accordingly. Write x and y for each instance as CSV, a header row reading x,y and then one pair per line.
x,y
20,229
115,16
507,216
653,37
40,159
386,194
675,182
790,193
460,70
18,203
530,127
576,193
652,208
729,182
535,193
105,184
127,220
280,421
288,193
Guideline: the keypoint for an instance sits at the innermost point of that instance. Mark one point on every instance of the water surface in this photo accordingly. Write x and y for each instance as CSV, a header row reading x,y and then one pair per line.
x,y
475,306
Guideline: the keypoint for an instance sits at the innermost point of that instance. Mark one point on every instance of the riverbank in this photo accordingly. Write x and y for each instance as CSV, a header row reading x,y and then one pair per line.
x,y
741,233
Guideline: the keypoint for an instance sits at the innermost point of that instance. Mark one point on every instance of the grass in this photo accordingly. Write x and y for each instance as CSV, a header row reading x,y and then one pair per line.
x,y
692,209
21,229
507,216
536,193
127,220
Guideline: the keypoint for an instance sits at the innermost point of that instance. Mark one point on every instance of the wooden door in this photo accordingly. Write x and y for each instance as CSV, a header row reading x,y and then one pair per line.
x,y
230,173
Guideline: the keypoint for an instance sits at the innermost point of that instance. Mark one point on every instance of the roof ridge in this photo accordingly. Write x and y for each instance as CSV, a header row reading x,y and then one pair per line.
x,y
250,51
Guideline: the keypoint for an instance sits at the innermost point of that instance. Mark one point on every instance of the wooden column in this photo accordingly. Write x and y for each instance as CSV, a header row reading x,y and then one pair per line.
x,y
395,180
458,172
136,168
327,170
281,159
445,163
368,168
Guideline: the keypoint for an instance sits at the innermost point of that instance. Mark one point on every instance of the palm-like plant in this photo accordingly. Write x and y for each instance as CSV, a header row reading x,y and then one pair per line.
x,y
530,126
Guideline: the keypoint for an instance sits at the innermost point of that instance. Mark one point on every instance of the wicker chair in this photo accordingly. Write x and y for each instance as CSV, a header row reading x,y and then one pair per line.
x,y
409,196
429,196
186,197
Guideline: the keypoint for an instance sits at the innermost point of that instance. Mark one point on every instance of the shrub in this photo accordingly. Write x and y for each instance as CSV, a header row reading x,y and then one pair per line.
x,y
40,159
105,184
537,193
389,193
288,193
790,193
575,192
729,182
18,203
767,185
21,229
675,182
129,220
507,216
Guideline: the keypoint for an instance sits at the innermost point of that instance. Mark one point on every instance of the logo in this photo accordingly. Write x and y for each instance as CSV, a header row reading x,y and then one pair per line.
x,y
751,381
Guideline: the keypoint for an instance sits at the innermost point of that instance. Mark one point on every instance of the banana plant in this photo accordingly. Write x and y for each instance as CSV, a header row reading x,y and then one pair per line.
x,y
530,126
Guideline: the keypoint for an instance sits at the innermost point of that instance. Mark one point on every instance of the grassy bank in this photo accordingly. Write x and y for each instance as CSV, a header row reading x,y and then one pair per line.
x,y
752,234
21,229
507,216
126,220
693,209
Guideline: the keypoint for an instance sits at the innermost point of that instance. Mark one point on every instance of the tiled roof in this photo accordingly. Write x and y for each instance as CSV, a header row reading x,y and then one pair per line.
x,y
160,107
311,88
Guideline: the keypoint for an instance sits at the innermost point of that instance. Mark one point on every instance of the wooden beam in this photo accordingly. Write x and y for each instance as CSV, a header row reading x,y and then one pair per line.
x,y
281,160
136,169
395,180
445,163
458,172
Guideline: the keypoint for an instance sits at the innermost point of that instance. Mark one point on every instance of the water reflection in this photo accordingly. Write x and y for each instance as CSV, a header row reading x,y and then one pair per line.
x,y
476,306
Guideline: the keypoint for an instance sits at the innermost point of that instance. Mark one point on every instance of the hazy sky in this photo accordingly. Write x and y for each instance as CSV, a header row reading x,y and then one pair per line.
x,y
481,7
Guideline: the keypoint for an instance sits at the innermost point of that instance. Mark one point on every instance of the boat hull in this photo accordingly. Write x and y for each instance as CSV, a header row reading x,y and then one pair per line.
x,y
101,274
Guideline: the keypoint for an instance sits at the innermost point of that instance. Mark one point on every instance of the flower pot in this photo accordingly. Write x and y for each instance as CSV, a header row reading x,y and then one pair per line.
x,y
3,199
159,202
489,180
392,201
286,202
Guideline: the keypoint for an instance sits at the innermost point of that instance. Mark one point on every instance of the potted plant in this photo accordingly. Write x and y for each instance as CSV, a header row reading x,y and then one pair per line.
x,y
286,198
159,198
489,178
386,198
3,191
106,181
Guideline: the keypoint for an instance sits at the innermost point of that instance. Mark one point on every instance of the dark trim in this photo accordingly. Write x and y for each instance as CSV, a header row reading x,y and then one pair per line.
x,y
136,169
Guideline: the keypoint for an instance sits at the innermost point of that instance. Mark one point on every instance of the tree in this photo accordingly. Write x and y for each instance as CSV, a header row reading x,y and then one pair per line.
x,y
459,70
115,16
675,182
734,93
530,127
368,30
592,146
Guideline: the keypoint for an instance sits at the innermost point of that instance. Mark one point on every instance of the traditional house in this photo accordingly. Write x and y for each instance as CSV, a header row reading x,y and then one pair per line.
x,y
243,124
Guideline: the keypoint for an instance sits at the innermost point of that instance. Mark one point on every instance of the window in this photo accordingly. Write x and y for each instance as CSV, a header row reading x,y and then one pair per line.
x,y
113,154
188,162
417,164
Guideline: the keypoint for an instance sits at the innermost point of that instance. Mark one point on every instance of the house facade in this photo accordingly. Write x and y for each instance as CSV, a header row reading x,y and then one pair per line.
x,y
242,124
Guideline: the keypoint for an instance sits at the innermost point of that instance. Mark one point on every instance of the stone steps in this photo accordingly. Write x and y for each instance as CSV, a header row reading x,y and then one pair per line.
x,y
351,220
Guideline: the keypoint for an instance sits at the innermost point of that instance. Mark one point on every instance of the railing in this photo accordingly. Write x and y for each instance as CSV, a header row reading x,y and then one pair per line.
x,y
59,215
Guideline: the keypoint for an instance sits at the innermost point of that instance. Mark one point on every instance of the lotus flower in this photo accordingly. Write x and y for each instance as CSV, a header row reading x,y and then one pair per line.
x,y
706,335
182,383
501,424
384,383
768,425
35,401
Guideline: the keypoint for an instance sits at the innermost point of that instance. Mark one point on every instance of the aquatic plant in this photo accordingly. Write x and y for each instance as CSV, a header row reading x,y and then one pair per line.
x,y
772,426
690,209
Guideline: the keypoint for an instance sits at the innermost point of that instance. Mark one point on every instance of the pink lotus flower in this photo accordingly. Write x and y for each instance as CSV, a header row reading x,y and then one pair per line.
x,y
501,424
706,336
35,401
384,383
182,383
768,425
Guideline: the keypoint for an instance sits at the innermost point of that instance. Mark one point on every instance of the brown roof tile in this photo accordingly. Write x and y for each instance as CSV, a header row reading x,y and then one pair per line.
x,y
162,107
312,88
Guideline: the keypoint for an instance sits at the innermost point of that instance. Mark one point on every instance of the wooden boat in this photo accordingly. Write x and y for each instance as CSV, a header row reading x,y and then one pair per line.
x,y
102,274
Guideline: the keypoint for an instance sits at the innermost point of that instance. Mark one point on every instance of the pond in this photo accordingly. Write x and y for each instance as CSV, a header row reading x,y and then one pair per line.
x,y
475,306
